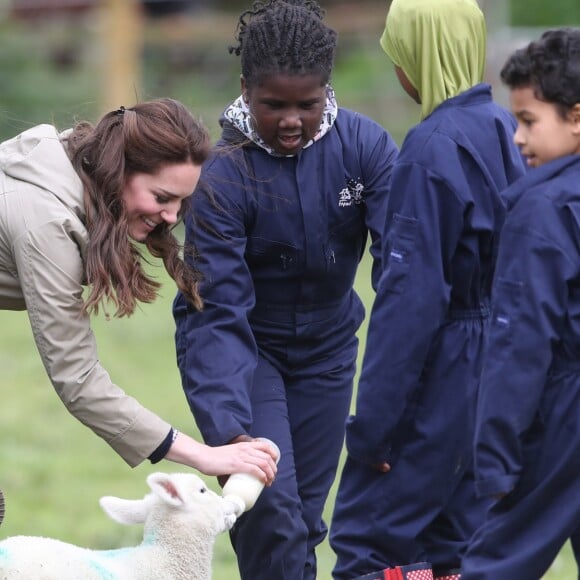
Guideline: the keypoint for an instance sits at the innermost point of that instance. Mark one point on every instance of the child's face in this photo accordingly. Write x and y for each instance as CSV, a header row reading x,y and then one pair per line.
x,y
542,133
287,110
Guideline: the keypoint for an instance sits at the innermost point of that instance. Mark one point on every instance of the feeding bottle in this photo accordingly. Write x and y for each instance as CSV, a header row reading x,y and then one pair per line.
x,y
247,487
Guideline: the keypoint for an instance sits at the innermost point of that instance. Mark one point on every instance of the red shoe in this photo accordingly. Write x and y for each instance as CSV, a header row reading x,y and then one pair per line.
x,y
419,571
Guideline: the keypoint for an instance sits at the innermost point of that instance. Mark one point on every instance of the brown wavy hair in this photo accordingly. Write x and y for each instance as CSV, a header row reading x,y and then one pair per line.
x,y
140,139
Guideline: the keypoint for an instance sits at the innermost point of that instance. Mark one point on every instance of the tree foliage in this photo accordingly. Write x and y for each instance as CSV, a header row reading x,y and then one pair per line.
x,y
544,14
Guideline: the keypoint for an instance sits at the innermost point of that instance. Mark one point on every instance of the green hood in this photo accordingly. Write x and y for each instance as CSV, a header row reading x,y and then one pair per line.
x,y
439,44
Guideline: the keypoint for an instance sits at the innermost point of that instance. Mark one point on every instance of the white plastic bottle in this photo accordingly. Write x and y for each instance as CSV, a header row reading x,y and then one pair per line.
x,y
245,486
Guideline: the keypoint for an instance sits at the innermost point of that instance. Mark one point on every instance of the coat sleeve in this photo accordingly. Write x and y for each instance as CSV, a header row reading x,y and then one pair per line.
x,y
50,268
216,349
529,307
378,151
424,223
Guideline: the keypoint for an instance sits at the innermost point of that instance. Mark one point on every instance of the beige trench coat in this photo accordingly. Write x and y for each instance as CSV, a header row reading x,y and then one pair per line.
x,y
42,243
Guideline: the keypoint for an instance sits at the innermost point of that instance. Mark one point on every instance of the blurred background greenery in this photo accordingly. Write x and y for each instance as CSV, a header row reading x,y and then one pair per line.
x,y
67,60
63,60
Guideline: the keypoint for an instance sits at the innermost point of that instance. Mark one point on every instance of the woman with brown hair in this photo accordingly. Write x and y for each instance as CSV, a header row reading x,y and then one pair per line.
x,y
73,205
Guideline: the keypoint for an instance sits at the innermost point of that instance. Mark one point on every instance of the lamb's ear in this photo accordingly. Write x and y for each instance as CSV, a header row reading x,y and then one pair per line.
x,y
166,488
126,511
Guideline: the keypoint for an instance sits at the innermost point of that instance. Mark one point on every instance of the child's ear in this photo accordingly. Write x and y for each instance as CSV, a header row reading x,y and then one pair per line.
x,y
574,115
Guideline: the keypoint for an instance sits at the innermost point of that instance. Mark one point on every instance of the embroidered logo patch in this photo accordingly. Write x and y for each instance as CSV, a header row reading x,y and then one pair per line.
x,y
352,193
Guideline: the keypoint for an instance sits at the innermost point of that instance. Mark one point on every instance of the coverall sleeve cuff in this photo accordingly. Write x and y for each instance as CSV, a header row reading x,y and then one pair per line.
x,y
360,453
495,485
224,436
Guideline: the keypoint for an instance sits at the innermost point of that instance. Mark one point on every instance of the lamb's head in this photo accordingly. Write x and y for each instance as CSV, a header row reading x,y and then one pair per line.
x,y
177,501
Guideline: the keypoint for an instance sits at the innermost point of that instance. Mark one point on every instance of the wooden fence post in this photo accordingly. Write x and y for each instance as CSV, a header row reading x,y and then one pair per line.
x,y
121,40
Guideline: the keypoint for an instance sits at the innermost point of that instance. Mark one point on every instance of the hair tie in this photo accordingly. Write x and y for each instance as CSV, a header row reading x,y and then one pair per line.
x,y
120,111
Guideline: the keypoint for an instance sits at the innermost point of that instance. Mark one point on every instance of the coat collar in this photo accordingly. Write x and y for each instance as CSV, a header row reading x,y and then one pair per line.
x,y
537,176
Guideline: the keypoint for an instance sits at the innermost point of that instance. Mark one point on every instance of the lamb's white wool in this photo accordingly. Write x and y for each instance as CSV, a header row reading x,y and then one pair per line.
x,y
182,518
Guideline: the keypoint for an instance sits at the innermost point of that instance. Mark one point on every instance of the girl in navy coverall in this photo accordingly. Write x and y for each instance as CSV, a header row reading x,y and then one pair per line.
x,y
406,493
294,188
528,418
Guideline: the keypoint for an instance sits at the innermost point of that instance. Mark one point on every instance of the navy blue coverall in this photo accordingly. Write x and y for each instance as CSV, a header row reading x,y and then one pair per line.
x,y
416,396
528,415
273,353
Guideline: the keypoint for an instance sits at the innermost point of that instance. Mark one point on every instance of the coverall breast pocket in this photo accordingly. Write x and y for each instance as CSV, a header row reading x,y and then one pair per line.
x,y
506,311
401,245
265,253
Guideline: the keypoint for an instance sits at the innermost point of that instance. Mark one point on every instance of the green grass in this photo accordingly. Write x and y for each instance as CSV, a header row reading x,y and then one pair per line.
x,y
54,469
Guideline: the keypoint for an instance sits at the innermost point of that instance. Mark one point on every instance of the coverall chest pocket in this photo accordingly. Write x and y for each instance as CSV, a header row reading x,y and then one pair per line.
x,y
265,253
402,239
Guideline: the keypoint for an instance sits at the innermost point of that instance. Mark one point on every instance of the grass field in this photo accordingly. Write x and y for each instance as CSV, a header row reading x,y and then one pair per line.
x,y
53,470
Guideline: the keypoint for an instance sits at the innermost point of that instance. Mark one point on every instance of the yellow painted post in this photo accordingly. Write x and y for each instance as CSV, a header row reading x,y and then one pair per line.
x,y
121,37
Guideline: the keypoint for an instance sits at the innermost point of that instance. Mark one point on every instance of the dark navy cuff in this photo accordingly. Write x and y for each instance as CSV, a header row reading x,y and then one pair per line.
x,y
497,485
162,450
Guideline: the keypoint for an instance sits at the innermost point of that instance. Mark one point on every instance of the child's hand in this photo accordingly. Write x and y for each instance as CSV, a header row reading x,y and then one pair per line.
x,y
382,467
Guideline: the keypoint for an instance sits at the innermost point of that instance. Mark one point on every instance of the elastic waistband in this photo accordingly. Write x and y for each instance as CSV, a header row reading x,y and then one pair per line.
x,y
288,312
478,313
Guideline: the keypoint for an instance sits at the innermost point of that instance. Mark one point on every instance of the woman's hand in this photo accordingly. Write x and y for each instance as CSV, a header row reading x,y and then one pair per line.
x,y
242,455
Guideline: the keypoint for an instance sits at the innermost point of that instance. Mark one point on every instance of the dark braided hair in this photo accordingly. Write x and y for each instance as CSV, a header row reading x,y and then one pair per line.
x,y
284,37
550,66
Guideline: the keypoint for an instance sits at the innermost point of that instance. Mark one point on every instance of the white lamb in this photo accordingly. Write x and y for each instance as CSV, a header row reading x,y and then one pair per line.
x,y
182,518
